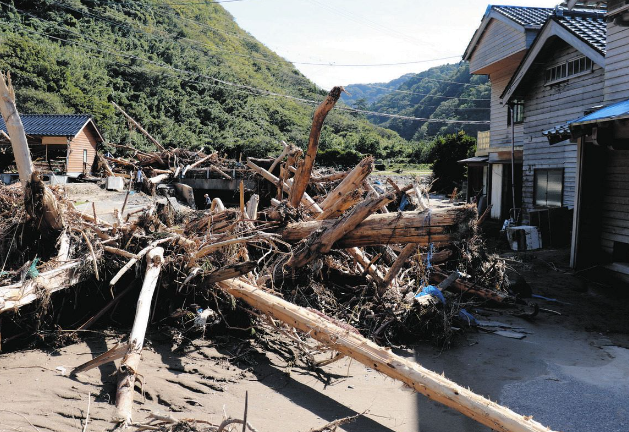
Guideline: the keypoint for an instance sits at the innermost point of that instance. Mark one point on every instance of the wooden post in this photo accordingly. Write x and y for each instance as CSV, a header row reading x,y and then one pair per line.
x,y
130,363
433,385
15,129
302,178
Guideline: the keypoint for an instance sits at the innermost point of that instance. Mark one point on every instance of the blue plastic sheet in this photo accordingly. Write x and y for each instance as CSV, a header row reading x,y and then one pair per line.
x,y
432,290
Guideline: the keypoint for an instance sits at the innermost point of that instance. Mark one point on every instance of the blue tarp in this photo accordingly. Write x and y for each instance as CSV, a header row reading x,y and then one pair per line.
x,y
620,109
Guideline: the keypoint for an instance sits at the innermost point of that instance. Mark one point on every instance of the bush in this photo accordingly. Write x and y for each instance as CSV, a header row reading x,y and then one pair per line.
x,y
444,154
339,158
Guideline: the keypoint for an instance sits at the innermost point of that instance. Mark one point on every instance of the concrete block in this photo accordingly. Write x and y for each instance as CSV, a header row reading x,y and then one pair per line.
x,y
114,183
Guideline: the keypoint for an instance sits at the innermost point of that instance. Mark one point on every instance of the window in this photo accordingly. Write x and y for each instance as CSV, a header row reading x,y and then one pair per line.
x,y
84,156
518,111
548,185
572,67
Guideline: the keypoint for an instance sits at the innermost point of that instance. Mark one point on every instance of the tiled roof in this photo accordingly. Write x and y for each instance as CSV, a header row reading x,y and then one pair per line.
x,y
588,25
51,124
525,16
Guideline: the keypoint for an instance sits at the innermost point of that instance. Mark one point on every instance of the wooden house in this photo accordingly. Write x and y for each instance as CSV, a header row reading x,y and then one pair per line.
x,y
62,144
601,219
496,49
560,78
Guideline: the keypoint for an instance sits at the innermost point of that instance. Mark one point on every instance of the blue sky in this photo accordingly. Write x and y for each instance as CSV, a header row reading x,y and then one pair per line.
x,y
359,32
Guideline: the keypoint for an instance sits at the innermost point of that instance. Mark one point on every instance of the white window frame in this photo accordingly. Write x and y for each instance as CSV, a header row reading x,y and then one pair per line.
x,y
565,70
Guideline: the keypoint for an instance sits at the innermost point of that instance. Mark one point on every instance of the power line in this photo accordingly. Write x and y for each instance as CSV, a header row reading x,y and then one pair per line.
x,y
255,91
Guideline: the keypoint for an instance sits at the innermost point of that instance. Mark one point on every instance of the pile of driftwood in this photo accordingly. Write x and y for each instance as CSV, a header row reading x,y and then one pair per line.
x,y
329,256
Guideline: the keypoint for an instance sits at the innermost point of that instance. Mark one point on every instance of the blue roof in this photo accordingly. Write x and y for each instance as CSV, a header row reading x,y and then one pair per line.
x,y
51,124
612,112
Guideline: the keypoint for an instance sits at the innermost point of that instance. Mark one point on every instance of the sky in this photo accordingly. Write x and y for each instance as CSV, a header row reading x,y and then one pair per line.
x,y
364,32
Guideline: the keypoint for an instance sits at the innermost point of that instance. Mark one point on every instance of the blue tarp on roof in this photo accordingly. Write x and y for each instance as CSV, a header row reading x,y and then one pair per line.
x,y
51,124
620,109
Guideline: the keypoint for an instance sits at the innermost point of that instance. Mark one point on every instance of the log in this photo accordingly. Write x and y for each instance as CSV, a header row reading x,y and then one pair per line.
x,y
433,385
135,259
440,227
373,271
323,241
341,205
129,366
14,296
302,178
19,145
394,270
159,178
230,271
464,287
285,151
371,189
103,162
137,125
351,182
251,209
306,200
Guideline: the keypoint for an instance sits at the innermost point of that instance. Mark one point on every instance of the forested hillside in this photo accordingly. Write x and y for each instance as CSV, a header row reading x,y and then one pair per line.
x,y
442,92
363,95
185,71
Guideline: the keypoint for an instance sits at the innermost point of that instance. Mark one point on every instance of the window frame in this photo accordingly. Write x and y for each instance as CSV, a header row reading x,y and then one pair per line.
x,y
565,70
518,111
538,171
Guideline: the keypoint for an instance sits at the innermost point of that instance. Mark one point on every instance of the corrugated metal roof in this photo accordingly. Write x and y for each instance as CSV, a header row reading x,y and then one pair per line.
x,y
51,124
616,111
525,16
589,25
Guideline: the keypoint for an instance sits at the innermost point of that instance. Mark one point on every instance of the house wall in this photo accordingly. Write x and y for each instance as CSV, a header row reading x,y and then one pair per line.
x,y
84,140
550,105
617,64
499,41
615,206
500,130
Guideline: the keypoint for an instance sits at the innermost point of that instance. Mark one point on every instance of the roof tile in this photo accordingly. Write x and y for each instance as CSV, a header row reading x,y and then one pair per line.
x,y
51,124
525,16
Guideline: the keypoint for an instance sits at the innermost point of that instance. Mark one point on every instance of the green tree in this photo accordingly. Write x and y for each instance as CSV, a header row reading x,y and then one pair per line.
x,y
444,154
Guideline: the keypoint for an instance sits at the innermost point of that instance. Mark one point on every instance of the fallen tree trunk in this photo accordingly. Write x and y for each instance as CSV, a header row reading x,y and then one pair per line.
x,y
433,385
464,287
351,182
306,200
439,227
138,126
13,297
323,241
12,120
302,178
406,253
129,366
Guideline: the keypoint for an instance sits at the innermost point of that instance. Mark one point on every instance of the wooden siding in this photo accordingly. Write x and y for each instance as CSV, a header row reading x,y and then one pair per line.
x,y
499,41
546,106
84,140
617,64
615,202
500,130
54,140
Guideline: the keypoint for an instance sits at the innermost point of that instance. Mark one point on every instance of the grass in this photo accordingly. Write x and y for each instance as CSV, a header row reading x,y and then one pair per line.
x,y
402,169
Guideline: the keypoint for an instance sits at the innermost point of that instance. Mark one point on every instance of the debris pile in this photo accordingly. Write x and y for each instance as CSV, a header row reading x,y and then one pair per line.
x,y
329,256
